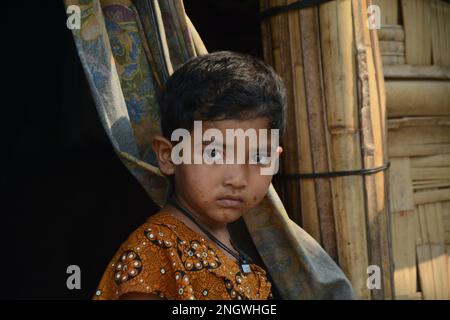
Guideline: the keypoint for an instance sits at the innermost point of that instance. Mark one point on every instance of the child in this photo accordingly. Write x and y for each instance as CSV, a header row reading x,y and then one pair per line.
x,y
185,251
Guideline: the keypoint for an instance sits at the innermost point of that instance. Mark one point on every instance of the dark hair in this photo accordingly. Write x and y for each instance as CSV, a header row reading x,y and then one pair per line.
x,y
222,85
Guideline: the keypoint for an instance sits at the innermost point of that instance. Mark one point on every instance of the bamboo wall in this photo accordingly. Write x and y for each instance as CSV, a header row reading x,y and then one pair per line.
x,y
331,64
415,48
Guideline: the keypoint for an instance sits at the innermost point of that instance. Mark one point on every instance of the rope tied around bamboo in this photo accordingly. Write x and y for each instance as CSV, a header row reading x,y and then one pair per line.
x,y
333,174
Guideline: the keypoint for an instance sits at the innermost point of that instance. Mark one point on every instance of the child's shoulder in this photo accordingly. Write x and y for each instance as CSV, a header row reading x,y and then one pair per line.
x,y
143,261
157,234
159,229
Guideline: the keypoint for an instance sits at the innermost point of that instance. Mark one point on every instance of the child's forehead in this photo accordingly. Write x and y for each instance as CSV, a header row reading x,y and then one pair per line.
x,y
244,124
228,131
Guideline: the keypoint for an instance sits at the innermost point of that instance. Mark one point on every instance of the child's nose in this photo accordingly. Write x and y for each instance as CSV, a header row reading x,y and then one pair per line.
x,y
236,176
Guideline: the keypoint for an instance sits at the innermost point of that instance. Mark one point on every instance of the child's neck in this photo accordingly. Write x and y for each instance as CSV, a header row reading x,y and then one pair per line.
x,y
220,231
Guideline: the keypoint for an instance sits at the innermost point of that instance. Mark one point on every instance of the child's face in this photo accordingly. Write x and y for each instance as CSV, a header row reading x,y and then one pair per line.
x,y
222,193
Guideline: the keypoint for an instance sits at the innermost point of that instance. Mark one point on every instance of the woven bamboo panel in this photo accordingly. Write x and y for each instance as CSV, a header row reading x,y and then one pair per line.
x,y
415,51
420,197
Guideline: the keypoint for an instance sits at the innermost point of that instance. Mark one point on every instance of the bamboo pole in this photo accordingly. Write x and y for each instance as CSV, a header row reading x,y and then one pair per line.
x,y
281,59
343,125
346,214
310,218
316,122
373,136
381,241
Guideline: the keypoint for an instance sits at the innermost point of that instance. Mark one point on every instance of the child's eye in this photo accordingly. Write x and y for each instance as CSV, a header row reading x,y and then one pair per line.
x,y
261,159
213,153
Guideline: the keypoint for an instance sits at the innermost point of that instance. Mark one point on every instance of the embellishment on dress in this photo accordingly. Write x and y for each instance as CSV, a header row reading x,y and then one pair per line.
x,y
197,256
158,238
127,267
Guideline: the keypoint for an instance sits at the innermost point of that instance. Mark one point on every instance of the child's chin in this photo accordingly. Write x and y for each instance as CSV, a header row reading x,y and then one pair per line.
x,y
227,216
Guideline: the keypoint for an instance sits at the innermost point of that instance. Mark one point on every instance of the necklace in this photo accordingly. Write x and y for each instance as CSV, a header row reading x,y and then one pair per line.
x,y
244,259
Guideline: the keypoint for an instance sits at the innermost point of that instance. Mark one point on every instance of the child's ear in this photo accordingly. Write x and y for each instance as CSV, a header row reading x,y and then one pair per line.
x,y
279,150
163,151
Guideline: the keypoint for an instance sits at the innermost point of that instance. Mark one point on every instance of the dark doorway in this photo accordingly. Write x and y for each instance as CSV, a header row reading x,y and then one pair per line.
x,y
61,172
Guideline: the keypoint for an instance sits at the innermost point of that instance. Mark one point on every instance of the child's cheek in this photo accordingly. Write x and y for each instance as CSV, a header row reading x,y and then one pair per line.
x,y
204,176
258,188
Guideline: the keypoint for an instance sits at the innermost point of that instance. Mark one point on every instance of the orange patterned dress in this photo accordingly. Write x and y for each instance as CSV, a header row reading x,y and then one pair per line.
x,y
165,257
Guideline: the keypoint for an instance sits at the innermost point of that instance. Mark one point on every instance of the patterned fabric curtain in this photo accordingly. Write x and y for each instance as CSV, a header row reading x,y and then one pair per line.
x,y
128,49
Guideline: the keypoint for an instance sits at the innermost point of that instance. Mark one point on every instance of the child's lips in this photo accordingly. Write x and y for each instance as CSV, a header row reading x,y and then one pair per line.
x,y
232,202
